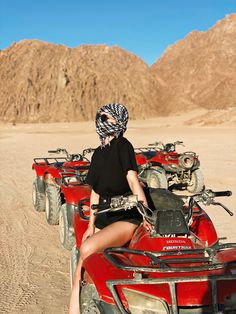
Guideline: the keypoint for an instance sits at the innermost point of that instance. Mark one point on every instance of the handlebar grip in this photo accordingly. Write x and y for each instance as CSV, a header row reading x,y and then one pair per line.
x,y
222,193
52,151
95,206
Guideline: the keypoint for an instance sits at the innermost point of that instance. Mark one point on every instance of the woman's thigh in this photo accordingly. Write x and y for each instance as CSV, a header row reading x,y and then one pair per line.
x,y
116,234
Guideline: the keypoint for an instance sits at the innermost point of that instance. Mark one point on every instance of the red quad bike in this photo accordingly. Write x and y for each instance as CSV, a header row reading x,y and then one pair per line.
x,y
76,195
46,187
179,267
160,166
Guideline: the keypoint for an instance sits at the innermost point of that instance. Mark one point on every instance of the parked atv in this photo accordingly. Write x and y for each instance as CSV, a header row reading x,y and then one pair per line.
x,y
46,187
160,166
180,267
76,195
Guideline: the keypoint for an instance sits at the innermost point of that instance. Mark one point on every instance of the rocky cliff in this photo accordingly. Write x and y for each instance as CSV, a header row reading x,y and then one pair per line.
x,y
42,82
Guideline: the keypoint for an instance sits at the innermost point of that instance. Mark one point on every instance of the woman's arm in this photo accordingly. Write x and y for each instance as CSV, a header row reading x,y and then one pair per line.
x,y
94,199
137,189
134,184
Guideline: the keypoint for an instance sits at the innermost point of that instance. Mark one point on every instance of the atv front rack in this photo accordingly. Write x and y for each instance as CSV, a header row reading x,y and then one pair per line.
x,y
163,267
48,160
145,149
163,263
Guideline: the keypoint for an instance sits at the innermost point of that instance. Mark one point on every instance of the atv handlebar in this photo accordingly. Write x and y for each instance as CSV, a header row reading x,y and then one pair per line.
x,y
207,198
222,193
127,202
69,157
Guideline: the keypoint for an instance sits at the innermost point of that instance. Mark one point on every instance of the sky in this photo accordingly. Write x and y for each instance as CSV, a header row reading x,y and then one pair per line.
x,y
143,27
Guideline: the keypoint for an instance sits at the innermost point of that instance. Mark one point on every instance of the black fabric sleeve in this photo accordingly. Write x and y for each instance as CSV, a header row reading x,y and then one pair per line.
x,y
127,156
92,172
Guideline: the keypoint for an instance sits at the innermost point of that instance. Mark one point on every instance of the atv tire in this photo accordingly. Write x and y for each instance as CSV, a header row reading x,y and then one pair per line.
x,y
197,182
157,179
87,295
53,204
74,258
38,198
66,235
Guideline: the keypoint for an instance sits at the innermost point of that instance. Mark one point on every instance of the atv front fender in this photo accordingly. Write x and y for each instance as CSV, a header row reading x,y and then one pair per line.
x,y
99,276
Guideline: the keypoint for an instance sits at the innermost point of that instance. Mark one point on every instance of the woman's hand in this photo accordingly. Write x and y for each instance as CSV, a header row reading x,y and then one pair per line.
x,y
88,233
147,225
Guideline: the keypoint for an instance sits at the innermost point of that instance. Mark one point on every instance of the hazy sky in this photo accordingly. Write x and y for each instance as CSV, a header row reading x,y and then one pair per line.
x,y
143,27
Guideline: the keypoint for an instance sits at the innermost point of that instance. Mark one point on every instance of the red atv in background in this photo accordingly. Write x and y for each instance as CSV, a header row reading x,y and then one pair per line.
x,y
76,196
161,166
178,268
46,191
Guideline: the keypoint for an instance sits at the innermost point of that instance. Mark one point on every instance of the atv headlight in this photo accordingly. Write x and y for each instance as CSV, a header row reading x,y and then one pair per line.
x,y
142,303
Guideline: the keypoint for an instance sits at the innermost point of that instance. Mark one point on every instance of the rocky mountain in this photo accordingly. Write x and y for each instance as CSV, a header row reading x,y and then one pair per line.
x,y
42,82
200,70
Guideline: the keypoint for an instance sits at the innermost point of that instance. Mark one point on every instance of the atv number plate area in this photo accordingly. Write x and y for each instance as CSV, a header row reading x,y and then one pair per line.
x,y
171,222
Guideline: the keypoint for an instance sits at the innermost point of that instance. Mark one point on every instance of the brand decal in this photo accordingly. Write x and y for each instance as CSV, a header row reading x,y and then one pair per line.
x,y
176,247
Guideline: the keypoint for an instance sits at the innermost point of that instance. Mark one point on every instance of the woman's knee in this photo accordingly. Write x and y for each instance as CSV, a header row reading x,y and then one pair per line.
x,y
86,249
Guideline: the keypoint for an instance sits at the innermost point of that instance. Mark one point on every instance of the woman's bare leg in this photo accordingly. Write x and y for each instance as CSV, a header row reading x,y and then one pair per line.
x,y
116,234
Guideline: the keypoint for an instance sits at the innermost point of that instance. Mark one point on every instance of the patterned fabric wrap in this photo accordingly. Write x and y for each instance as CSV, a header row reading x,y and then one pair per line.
x,y
105,129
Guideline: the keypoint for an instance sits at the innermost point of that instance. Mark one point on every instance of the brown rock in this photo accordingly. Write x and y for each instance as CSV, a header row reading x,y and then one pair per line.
x,y
200,70
41,82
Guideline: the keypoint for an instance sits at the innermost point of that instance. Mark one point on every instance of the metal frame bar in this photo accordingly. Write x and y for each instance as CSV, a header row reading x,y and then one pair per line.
x,y
111,284
48,159
163,264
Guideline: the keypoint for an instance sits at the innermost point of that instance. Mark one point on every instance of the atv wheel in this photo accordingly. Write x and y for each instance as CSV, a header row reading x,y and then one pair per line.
x,y
66,236
186,161
53,204
38,197
74,258
197,182
157,179
87,296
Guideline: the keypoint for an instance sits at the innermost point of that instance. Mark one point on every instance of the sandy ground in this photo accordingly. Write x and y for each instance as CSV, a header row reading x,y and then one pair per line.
x,y
34,268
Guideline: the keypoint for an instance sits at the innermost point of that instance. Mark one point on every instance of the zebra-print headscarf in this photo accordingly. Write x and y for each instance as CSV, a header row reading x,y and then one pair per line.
x,y
105,128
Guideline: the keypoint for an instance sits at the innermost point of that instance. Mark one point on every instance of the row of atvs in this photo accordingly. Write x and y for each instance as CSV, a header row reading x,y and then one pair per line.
x,y
179,267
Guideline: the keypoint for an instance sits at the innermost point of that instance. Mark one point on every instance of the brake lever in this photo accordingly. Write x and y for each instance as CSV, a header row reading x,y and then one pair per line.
x,y
223,206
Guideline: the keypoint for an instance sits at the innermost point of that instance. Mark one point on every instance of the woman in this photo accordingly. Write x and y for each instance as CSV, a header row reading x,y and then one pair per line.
x,y
113,172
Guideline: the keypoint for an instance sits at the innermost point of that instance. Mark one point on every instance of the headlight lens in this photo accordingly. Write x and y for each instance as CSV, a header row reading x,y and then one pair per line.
x,y
141,303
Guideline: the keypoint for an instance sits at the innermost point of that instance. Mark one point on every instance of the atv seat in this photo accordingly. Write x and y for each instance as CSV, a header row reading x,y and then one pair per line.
x,y
149,154
168,211
58,164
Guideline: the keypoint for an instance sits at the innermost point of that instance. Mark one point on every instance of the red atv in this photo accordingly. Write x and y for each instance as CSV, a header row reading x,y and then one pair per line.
x,y
76,196
180,267
46,187
162,167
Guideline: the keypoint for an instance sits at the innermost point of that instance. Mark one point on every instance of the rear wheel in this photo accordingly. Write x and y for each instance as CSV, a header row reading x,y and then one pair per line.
x,y
38,197
157,179
66,235
197,182
53,204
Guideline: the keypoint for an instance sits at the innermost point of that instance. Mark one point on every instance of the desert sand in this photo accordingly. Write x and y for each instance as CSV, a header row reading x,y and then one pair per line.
x,y
34,268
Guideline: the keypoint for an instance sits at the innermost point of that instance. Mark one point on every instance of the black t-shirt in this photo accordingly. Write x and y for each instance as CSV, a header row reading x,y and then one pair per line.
x,y
109,167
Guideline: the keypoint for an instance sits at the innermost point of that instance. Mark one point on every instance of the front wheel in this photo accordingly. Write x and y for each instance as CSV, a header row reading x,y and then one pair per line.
x,y
53,204
157,179
74,258
196,184
88,296
66,235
